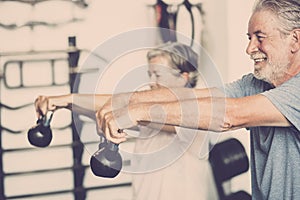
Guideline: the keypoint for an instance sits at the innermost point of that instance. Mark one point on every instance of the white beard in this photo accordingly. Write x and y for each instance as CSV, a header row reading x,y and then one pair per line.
x,y
272,73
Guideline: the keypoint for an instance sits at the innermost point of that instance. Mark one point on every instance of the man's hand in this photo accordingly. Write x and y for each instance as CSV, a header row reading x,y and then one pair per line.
x,y
112,122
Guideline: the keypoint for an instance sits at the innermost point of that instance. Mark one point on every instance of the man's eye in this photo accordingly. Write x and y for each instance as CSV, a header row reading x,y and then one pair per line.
x,y
260,38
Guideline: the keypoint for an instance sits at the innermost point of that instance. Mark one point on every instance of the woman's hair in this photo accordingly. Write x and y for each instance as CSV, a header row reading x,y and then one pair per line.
x,y
182,58
287,11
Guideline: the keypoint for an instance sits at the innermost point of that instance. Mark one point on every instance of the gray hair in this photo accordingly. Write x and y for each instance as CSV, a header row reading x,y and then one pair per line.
x,y
287,11
182,59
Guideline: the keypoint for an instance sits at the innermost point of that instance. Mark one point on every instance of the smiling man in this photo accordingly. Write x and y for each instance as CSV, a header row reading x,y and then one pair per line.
x,y
267,102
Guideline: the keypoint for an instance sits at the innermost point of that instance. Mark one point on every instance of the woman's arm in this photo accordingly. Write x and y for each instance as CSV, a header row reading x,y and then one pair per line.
x,y
85,104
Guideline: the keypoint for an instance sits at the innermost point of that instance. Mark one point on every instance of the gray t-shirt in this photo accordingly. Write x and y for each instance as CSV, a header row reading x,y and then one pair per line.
x,y
275,151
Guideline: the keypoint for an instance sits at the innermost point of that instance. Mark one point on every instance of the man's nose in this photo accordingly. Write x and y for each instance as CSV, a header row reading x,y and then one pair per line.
x,y
252,46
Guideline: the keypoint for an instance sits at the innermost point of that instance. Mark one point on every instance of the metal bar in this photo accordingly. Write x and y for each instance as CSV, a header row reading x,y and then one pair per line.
x,y
34,52
53,71
2,196
21,131
80,3
53,146
126,162
37,171
78,170
31,52
128,184
15,108
21,74
21,66
33,24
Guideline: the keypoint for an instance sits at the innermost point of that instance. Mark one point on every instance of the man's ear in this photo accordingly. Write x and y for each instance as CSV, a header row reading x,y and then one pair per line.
x,y
296,40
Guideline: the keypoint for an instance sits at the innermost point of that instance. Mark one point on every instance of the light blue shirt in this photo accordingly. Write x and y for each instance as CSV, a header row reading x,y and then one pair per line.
x,y
275,151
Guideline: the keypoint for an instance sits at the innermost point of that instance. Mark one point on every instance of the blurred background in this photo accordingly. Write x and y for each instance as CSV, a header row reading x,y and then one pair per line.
x,y
39,41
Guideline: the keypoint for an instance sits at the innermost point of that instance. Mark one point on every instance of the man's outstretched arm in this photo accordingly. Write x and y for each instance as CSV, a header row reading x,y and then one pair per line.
x,y
206,113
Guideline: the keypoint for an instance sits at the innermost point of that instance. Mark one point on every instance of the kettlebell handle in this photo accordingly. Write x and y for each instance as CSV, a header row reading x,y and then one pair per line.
x,y
46,119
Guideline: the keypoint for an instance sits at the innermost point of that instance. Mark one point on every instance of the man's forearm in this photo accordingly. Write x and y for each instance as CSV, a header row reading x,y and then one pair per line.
x,y
173,94
204,113
180,106
213,113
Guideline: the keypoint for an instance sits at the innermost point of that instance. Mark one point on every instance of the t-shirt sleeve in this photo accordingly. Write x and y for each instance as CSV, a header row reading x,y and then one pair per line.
x,y
239,88
286,98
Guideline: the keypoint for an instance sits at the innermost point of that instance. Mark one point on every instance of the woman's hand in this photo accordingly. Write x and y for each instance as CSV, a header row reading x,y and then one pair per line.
x,y
43,105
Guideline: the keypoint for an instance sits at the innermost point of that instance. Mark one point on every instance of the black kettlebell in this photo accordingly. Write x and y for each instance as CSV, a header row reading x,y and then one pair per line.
x,y
107,161
40,135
